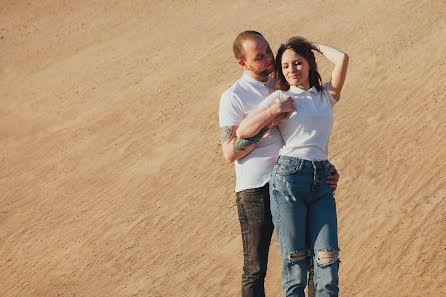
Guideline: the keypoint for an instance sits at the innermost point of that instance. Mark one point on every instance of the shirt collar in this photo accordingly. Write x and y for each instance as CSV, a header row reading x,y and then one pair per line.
x,y
255,82
297,91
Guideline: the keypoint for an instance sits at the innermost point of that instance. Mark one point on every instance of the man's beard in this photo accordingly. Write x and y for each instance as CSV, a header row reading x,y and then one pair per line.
x,y
263,73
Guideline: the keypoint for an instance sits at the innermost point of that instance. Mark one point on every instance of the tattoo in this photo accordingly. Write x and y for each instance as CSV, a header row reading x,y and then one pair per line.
x,y
226,133
242,144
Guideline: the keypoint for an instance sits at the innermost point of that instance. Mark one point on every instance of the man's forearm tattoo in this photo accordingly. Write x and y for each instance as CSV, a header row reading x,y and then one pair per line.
x,y
242,144
226,133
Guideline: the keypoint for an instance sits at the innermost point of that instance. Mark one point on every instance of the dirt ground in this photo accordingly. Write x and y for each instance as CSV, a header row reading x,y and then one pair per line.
x,y
112,180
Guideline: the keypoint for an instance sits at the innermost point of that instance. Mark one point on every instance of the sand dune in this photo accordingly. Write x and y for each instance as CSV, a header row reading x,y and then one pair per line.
x,y
112,179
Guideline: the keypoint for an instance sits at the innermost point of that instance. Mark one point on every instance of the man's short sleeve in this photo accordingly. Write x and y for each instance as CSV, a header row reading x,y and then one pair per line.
x,y
330,99
269,100
231,111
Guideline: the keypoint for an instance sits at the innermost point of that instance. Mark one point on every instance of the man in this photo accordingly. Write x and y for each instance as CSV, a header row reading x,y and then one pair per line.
x,y
254,157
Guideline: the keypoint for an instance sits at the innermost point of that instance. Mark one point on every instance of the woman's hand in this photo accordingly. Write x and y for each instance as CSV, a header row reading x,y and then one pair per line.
x,y
282,105
253,123
315,46
340,59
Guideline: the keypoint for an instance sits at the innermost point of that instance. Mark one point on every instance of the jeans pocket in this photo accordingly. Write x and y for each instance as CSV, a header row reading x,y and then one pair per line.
x,y
286,168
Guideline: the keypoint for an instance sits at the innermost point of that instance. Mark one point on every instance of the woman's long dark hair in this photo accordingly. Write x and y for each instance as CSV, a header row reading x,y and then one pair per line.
x,y
302,47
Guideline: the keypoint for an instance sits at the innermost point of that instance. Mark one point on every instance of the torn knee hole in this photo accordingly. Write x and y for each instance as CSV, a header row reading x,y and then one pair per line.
x,y
327,257
298,256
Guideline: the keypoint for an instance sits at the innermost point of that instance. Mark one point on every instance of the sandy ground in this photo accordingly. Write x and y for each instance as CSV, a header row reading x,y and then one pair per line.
x,y
112,180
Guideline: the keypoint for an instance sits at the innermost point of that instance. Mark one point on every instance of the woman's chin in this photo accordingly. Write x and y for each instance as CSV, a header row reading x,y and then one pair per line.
x,y
293,82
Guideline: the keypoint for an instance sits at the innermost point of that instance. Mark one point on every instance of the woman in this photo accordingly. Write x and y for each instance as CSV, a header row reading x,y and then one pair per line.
x,y
302,204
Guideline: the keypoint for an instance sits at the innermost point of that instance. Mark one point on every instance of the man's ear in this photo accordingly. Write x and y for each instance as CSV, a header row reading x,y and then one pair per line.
x,y
243,64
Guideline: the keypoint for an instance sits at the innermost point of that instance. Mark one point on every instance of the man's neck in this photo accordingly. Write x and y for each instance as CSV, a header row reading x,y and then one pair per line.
x,y
257,77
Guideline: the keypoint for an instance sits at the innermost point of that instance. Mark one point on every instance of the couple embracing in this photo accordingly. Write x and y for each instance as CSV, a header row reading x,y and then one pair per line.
x,y
275,123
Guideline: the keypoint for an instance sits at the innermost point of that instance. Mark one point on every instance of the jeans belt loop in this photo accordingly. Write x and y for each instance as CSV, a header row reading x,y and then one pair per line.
x,y
314,171
300,164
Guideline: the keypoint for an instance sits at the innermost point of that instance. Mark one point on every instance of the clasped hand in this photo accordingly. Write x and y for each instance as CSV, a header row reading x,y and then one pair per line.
x,y
280,109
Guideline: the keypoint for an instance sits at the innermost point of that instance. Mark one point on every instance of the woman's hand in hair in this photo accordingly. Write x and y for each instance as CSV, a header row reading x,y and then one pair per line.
x,y
340,59
315,46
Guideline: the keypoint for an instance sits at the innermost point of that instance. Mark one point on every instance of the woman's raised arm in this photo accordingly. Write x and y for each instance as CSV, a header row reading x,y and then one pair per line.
x,y
340,59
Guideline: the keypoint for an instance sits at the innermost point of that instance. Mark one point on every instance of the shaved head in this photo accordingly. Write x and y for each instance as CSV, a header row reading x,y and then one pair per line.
x,y
237,47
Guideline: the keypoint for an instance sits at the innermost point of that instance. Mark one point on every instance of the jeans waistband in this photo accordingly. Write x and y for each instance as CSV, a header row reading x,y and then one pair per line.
x,y
318,167
302,163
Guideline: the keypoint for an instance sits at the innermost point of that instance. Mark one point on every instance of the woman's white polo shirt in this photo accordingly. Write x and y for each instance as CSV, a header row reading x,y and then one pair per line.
x,y
306,131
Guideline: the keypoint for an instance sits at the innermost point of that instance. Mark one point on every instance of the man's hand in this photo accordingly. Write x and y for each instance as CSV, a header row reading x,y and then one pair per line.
x,y
333,178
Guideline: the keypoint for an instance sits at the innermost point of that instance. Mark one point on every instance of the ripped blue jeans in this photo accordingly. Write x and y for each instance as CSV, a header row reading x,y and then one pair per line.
x,y
304,215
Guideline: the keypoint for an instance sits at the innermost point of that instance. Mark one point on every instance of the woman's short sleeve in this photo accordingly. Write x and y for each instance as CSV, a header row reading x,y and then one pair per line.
x,y
269,100
328,96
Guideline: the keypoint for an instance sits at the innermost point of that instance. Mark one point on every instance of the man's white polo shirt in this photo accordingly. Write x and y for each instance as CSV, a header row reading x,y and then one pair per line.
x,y
237,102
